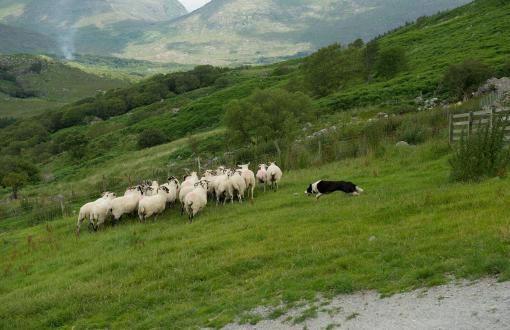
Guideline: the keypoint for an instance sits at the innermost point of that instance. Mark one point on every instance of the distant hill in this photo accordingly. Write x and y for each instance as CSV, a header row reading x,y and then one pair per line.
x,y
92,26
257,31
20,40
30,84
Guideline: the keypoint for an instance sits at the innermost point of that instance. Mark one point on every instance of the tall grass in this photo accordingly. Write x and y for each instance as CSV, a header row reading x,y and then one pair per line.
x,y
482,154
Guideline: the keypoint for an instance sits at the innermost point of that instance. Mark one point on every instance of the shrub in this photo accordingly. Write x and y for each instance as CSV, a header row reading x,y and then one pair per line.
x,y
151,137
332,67
281,70
74,143
391,61
6,121
222,82
460,80
482,154
412,131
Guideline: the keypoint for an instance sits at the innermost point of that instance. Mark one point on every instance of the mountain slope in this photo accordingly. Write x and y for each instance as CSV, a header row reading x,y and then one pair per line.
x,y
19,40
248,31
94,26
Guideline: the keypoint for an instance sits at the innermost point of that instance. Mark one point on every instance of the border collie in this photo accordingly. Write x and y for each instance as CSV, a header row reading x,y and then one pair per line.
x,y
327,187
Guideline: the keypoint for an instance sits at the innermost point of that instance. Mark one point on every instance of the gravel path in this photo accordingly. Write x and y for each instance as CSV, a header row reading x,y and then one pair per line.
x,y
483,304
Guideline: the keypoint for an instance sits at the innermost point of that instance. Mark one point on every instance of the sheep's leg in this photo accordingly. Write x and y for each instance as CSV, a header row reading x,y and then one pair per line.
x,y
78,224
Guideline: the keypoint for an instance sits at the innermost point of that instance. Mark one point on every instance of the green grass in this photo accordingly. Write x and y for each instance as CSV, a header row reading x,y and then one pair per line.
x,y
283,248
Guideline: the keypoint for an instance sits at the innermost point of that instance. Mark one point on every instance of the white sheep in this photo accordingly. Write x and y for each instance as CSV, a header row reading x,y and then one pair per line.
x,y
273,175
262,174
237,184
101,210
212,182
151,188
249,178
134,190
86,211
173,189
153,205
222,188
196,200
126,204
187,186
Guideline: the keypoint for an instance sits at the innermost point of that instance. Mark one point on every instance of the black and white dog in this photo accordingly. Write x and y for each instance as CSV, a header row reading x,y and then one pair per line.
x,y
327,187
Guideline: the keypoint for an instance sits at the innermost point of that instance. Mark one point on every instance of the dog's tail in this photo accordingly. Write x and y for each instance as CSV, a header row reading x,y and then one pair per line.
x,y
359,190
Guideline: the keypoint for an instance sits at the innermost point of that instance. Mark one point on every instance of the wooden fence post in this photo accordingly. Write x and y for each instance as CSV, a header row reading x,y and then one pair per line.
x,y
450,128
491,120
470,123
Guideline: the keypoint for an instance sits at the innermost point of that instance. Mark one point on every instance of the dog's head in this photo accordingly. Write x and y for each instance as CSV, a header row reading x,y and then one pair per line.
x,y
309,190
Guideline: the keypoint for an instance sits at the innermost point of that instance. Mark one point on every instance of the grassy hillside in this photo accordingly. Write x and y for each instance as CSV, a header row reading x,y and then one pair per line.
x,y
469,32
283,248
18,40
32,84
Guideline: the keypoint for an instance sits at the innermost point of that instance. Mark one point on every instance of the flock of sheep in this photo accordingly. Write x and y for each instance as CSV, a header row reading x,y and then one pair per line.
x,y
151,199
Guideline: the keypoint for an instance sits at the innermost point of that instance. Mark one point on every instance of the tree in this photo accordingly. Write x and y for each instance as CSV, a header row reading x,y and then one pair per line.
x,y
185,82
267,116
369,55
207,74
460,80
391,61
332,67
151,137
75,143
358,43
15,181
18,165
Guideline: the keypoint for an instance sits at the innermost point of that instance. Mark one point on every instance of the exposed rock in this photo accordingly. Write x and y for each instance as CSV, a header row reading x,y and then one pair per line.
x,y
501,85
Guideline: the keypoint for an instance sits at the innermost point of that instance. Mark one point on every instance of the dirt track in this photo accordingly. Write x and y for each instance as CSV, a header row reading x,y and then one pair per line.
x,y
480,305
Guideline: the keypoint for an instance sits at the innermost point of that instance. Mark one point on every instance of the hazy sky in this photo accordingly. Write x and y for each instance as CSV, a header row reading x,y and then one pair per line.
x,y
193,4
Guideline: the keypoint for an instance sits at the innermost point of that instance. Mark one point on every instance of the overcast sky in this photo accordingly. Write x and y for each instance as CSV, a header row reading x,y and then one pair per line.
x,y
193,4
